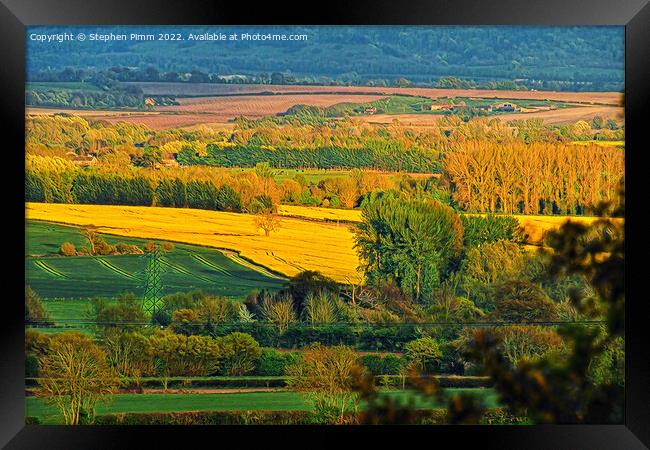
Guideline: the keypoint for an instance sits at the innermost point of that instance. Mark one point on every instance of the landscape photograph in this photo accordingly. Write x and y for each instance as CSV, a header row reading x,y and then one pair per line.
x,y
324,225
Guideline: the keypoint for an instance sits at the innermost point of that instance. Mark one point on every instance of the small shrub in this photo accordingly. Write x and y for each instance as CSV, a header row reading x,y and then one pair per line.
x,y
273,363
392,365
186,321
127,249
320,308
279,312
68,249
241,353
31,366
373,363
490,228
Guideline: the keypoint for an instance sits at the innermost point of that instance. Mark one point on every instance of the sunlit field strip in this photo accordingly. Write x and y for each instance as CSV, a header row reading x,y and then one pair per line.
x,y
299,244
533,225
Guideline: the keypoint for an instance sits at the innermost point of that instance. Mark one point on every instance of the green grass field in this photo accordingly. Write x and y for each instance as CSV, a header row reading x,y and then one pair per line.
x,y
253,401
185,268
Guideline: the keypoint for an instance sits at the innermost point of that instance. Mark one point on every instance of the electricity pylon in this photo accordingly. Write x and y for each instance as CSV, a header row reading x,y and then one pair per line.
x,y
152,301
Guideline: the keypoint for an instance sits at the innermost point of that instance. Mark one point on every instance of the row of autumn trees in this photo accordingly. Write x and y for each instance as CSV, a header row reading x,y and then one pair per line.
x,y
56,180
538,178
280,140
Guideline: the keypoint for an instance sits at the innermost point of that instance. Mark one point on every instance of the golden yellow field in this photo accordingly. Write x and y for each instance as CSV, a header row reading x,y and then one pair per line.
x,y
305,241
298,245
536,226
601,143
313,212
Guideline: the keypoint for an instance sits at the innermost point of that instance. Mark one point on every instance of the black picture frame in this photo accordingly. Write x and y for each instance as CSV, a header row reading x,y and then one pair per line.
x,y
633,14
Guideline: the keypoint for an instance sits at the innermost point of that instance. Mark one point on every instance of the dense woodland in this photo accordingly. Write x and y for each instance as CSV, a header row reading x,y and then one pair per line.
x,y
553,58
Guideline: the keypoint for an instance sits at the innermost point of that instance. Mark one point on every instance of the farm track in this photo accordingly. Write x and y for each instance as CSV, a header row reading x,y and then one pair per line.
x,y
289,263
210,264
180,269
49,269
243,262
117,270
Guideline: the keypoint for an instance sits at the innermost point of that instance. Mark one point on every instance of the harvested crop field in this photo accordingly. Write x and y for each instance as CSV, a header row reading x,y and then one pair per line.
x,y
87,112
204,89
220,103
161,121
260,105
571,114
211,110
557,116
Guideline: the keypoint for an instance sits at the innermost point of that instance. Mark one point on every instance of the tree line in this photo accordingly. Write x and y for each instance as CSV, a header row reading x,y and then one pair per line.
x,y
376,156
289,134
533,178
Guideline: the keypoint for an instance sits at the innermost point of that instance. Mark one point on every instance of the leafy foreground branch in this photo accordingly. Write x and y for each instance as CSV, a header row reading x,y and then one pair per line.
x,y
552,389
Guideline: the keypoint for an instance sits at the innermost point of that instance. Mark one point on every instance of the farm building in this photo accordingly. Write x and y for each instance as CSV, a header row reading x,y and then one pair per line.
x,y
506,106
149,103
370,110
